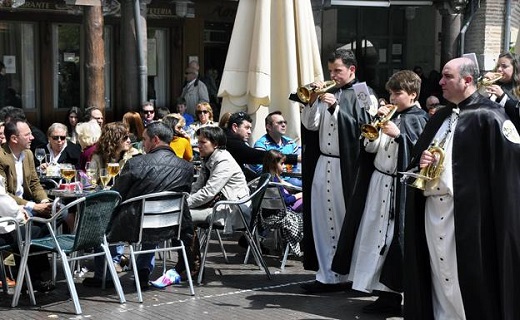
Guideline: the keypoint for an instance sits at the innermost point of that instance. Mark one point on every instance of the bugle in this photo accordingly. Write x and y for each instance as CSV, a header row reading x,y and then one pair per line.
x,y
371,130
431,172
304,92
488,79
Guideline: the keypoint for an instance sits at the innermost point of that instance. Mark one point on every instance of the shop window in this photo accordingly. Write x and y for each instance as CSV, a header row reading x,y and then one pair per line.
x,y
17,52
67,66
158,66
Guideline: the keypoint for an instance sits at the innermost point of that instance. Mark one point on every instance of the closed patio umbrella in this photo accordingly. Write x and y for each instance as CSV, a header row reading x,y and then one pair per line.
x,y
273,50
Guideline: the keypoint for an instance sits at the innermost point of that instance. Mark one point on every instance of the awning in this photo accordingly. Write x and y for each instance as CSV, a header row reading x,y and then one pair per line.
x,y
273,50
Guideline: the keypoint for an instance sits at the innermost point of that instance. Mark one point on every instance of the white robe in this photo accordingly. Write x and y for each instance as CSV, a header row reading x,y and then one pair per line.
x,y
375,229
440,236
328,203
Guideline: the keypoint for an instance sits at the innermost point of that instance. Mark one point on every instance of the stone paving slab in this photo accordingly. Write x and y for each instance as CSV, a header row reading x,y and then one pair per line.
x,y
230,291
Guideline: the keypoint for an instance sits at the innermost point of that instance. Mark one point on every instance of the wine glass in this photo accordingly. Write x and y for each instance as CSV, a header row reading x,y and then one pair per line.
x,y
67,172
92,170
39,153
104,177
113,170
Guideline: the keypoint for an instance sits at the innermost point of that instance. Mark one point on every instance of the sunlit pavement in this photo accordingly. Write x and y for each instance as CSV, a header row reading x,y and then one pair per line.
x,y
229,291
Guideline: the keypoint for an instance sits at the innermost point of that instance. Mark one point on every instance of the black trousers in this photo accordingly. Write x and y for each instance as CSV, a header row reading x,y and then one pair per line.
x,y
37,264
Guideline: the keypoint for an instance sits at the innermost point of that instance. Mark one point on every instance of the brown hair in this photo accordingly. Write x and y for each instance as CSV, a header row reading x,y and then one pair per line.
x,y
134,123
112,134
271,160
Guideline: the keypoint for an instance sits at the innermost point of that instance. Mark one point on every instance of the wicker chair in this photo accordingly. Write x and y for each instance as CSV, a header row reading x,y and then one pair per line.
x,y
94,212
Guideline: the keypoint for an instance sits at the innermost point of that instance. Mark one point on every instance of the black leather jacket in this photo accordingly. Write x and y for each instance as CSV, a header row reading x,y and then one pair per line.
x,y
159,170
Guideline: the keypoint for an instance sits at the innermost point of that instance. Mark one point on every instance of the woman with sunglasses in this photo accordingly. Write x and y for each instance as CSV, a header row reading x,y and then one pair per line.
x,y
204,114
59,149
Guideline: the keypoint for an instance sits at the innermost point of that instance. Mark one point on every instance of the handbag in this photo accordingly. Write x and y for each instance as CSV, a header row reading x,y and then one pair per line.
x,y
210,204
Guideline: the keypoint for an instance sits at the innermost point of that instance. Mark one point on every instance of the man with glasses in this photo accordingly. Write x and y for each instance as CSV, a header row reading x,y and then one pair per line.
x,y
147,112
194,90
275,139
238,133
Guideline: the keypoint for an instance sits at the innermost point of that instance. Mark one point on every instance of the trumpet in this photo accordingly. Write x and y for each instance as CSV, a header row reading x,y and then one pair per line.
x,y
371,130
488,79
304,92
433,171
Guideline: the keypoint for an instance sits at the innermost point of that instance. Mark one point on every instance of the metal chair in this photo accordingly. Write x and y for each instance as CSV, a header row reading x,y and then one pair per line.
x,y
94,213
9,248
273,201
159,217
256,201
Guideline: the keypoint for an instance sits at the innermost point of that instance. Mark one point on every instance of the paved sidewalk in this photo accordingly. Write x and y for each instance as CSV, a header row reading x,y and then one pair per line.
x,y
229,291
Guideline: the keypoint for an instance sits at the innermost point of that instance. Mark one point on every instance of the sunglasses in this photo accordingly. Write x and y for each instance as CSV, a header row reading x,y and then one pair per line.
x,y
56,138
202,111
148,111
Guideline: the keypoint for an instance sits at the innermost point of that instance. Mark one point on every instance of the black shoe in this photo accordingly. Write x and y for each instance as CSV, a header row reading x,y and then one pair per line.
x,y
144,279
43,286
384,306
319,287
96,283
243,242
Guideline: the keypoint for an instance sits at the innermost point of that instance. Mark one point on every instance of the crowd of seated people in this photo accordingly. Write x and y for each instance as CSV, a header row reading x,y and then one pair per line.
x,y
94,141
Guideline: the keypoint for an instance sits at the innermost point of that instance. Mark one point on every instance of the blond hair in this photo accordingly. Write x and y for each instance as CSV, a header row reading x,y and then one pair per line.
x,y
88,133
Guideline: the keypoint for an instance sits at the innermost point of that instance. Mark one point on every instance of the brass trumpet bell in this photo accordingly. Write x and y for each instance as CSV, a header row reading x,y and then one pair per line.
x,y
371,130
304,92
433,171
488,79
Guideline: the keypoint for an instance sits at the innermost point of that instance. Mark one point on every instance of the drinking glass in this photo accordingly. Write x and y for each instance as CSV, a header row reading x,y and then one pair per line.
x,y
39,153
104,177
67,172
113,170
92,171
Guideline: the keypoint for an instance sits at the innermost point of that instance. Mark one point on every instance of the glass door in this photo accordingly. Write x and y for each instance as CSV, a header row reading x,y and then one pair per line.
x,y
67,66
17,53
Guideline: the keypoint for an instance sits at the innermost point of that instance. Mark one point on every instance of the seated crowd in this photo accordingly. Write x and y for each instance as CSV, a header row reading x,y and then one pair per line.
x,y
154,155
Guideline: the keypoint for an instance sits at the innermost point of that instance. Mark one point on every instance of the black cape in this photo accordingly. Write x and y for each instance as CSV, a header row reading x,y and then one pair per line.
x,y
486,180
350,118
412,122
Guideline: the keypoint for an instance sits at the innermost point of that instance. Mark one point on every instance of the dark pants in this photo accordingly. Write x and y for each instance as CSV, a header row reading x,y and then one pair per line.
x,y
38,263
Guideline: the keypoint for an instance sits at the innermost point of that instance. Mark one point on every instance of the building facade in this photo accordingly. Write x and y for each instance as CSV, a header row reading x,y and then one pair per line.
x,y
44,45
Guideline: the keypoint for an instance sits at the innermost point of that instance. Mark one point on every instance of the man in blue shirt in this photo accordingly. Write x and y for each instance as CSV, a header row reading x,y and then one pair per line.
x,y
275,139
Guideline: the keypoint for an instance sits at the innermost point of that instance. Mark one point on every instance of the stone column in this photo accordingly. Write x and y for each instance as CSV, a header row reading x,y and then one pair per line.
x,y
451,12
